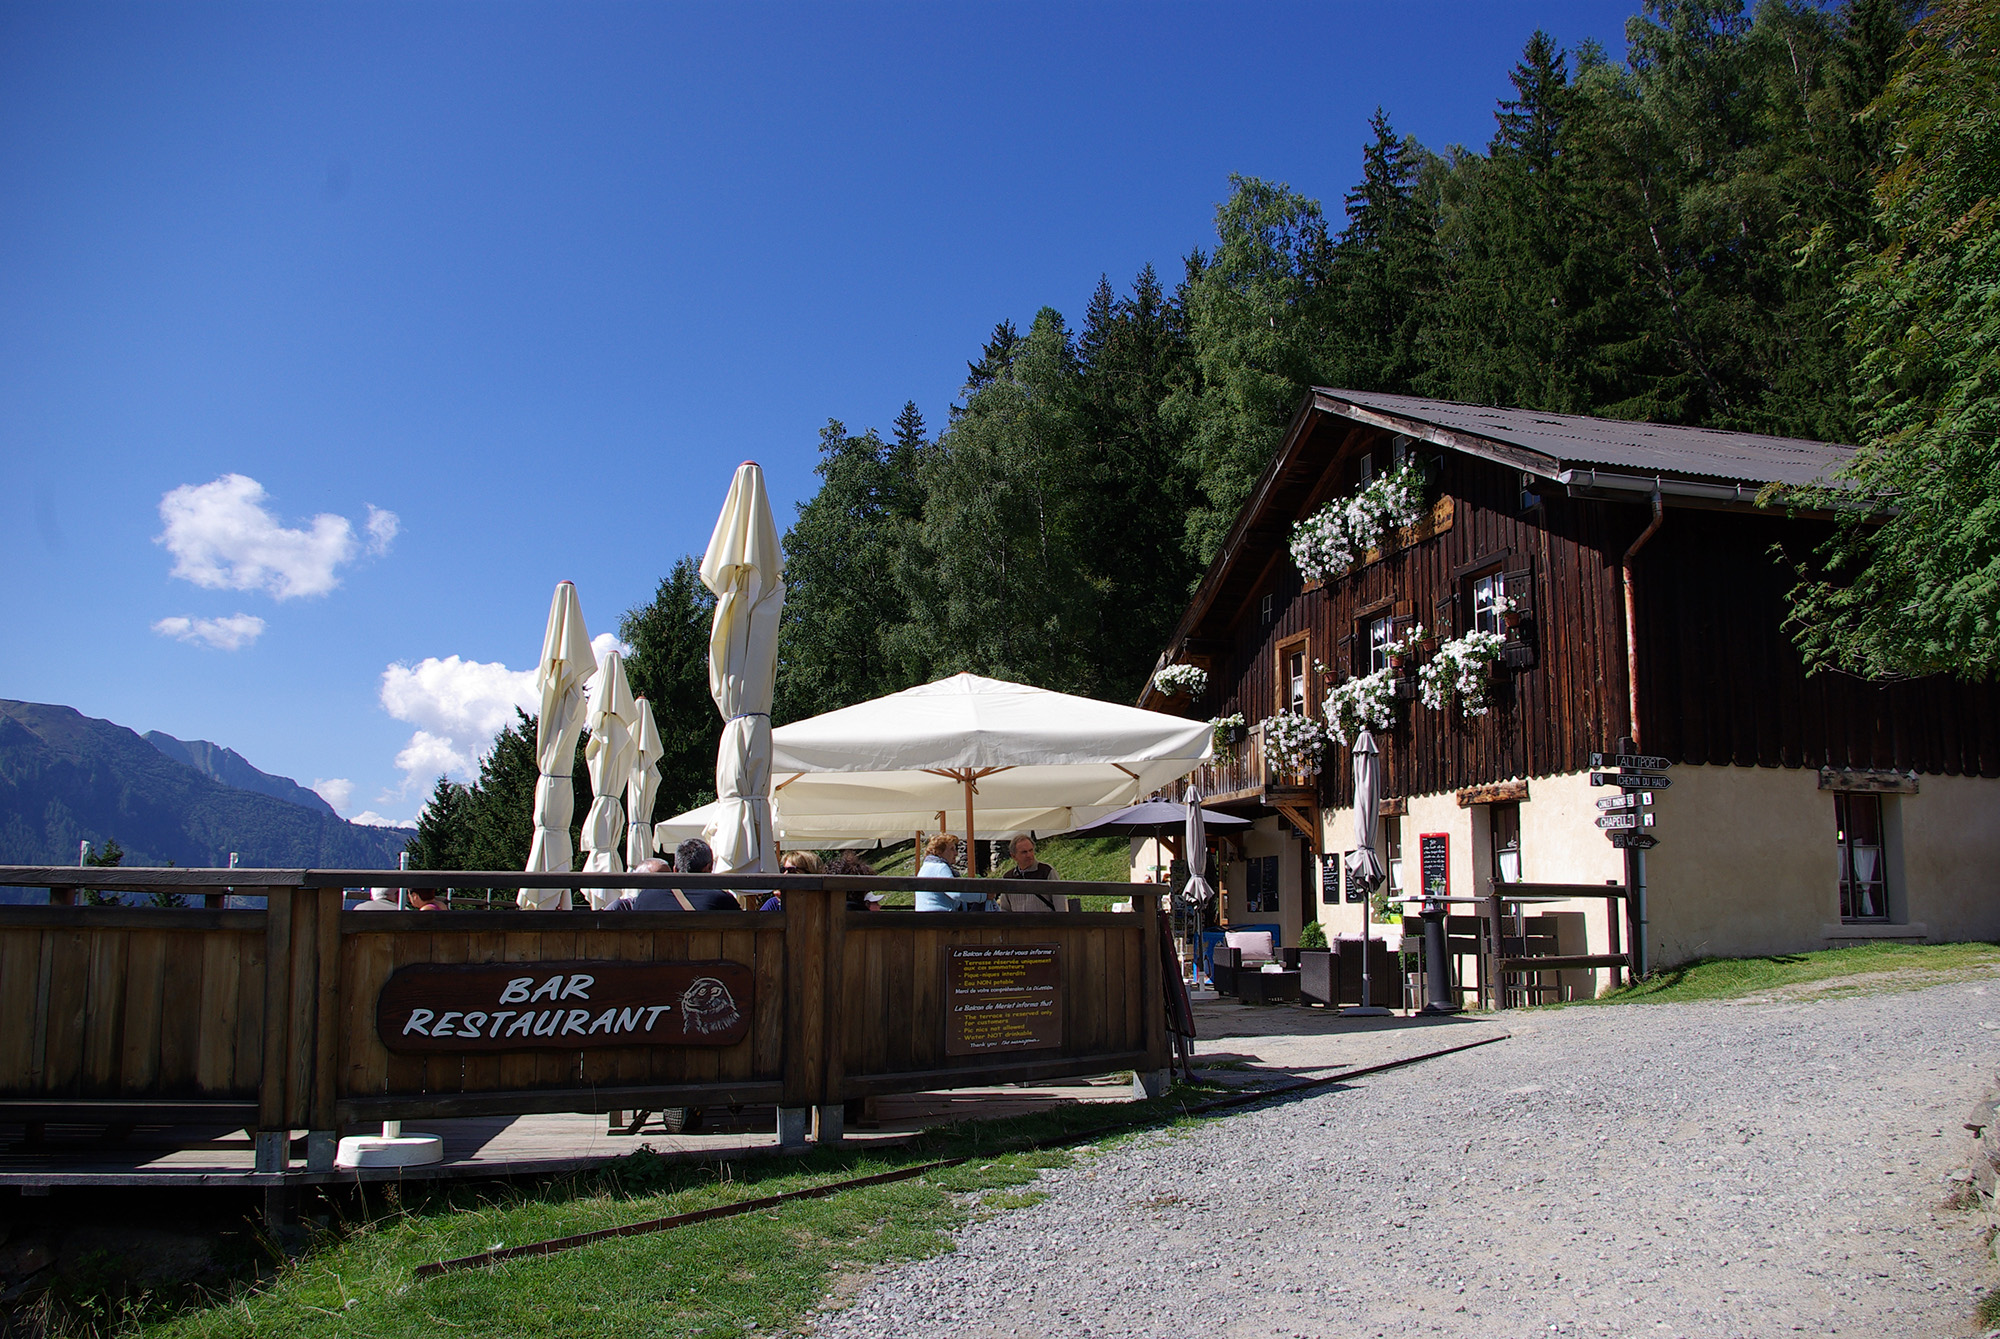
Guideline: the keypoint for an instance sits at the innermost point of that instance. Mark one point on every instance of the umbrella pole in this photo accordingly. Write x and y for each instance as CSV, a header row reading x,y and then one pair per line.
x,y
971,860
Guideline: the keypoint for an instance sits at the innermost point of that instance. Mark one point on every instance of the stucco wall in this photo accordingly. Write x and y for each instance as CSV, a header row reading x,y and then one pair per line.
x,y
1747,864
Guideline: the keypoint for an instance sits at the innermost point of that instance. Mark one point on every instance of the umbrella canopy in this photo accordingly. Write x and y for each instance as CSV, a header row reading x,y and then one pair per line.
x,y
642,784
608,759
1025,757
567,661
744,566
1154,816
1363,863
703,822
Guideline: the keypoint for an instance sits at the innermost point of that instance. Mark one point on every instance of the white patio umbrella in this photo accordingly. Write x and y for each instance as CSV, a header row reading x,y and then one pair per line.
x,y
744,566
608,759
642,785
567,661
1006,756
1363,864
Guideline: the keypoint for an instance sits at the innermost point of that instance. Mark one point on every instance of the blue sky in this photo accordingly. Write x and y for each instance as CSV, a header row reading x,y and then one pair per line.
x,y
501,293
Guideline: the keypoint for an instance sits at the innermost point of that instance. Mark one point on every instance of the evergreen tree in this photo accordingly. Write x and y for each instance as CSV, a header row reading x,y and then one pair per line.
x,y
669,668
1386,266
443,828
1911,583
108,856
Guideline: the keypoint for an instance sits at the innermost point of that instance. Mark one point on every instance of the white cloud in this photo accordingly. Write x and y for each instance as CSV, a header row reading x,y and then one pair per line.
x,y
336,792
383,527
224,634
375,820
223,538
458,706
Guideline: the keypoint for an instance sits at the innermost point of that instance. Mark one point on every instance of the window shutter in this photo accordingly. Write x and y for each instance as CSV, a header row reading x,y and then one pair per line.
x,y
1444,615
1520,585
1345,655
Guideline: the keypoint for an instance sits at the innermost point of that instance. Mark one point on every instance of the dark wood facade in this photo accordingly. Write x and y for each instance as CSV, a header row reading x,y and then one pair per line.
x,y
1720,681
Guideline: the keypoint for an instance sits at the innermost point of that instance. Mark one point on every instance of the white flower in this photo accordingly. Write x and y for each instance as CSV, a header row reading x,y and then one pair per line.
x,y
1461,669
1367,702
1337,536
1189,679
1294,745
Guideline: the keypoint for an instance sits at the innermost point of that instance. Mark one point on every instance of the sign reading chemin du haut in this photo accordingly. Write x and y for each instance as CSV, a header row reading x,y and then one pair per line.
x,y
1001,997
513,1006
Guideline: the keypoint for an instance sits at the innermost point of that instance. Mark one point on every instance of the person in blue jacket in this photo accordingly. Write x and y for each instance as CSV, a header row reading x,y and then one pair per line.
x,y
940,855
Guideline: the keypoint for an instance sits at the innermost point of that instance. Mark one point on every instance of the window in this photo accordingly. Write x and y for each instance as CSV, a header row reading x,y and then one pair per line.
x,y
1864,885
1392,855
1506,824
1261,876
1486,592
1381,632
1294,674
1367,467
1266,609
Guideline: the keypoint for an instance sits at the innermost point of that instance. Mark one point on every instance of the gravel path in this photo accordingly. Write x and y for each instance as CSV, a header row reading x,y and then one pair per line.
x,y
1648,1170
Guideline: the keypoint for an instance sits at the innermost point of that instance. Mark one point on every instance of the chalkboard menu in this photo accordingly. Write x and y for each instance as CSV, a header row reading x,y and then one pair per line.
x,y
1434,850
1329,878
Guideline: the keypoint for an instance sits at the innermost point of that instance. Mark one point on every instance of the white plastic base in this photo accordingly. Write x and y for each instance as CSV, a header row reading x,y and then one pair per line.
x,y
410,1150
1366,1011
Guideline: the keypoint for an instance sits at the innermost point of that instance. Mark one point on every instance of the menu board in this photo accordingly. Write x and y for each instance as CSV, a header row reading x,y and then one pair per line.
x,y
1329,878
1001,997
1434,850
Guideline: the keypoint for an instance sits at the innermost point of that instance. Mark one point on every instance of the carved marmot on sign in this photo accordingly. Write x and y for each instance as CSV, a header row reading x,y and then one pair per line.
x,y
707,1006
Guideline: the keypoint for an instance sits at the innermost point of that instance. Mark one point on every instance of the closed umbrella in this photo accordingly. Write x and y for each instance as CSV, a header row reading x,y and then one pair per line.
x,y
1363,865
608,760
744,566
567,661
1197,891
642,785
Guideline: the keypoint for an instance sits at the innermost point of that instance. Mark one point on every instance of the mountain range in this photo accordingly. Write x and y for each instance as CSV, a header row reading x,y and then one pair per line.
x,y
66,778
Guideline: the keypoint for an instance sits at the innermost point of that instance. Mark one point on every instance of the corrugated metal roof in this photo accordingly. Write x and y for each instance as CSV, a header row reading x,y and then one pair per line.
x,y
1645,448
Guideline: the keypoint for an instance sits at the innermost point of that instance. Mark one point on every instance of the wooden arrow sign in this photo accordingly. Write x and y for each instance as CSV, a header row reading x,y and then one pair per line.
x,y
1645,761
1633,841
1633,800
1613,822
1630,780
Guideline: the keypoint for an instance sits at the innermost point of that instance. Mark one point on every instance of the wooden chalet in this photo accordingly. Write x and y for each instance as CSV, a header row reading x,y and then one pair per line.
x,y
1803,812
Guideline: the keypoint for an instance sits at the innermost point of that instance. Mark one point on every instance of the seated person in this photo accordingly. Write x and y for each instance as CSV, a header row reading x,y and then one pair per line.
x,y
940,857
1027,865
852,866
428,899
692,857
795,862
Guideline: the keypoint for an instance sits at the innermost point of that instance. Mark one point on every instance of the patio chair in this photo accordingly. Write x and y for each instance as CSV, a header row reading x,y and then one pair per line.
x,y
1240,951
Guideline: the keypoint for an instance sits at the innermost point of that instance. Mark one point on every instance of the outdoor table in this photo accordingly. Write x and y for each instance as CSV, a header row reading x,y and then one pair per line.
x,y
1267,987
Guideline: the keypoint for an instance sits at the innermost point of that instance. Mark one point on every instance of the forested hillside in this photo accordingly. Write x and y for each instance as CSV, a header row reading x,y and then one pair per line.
x,y
1780,222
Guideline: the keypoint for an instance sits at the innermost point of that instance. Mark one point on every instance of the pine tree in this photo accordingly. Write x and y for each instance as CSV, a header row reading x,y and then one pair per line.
x,y
1386,267
669,668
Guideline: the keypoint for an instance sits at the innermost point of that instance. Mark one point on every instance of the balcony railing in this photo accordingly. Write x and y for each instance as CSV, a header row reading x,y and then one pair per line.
x,y
1244,776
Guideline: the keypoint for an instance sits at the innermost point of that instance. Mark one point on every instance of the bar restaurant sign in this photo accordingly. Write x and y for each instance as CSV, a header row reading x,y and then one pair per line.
x,y
430,1008
1001,997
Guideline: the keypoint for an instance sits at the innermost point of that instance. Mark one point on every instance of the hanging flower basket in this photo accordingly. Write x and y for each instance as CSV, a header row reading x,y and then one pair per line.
x,y
1294,745
1461,671
1228,732
1181,681
1367,702
1331,541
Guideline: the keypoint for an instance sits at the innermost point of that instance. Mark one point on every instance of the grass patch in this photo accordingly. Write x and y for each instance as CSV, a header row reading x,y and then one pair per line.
x,y
759,1273
1862,969
1086,859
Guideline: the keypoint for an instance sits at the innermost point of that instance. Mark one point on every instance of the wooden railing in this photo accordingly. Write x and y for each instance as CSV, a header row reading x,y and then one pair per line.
x,y
1246,776
274,1019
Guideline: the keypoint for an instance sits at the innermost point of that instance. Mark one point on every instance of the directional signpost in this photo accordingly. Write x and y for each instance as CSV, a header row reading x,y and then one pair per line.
x,y
1624,818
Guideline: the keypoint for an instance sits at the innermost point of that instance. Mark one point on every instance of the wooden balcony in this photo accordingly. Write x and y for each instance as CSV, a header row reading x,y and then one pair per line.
x,y
1246,778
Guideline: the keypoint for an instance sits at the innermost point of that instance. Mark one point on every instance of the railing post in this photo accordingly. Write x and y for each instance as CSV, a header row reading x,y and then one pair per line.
x,y
273,1130
1152,1081
322,1006
831,1097
805,1017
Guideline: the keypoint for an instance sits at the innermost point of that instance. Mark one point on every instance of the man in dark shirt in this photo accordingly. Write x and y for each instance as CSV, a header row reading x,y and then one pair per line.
x,y
693,856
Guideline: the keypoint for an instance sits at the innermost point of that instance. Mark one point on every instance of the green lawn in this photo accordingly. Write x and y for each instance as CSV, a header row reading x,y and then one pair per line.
x,y
1088,859
1862,969
761,1273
